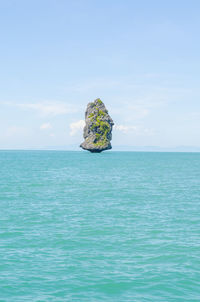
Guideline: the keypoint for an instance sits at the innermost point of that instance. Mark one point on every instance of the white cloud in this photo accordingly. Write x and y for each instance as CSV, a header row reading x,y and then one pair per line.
x,y
76,127
137,130
48,108
124,128
45,126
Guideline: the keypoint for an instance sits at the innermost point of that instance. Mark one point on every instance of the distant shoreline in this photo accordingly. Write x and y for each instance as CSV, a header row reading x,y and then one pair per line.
x,y
113,150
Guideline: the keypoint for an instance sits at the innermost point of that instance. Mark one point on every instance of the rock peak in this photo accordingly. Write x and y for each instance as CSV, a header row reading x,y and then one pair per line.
x,y
98,127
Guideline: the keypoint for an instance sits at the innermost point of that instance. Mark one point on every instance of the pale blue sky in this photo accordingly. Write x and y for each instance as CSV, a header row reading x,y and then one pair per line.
x,y
140,57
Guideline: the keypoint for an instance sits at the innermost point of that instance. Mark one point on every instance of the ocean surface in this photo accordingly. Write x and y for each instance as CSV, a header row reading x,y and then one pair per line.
x,y
115,226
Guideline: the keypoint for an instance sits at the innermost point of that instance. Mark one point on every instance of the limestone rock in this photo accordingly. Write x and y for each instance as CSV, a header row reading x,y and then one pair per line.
x,y
98,128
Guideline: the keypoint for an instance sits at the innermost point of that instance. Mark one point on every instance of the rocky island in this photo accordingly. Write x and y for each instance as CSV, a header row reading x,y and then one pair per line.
x,y
98,128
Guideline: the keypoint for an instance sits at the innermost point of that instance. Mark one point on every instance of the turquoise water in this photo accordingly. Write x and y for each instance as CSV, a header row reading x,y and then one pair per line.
x,y
116,226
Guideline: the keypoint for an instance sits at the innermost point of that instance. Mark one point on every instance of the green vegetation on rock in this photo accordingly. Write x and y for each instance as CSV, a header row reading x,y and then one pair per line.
x,y
102,130
99,101
101,113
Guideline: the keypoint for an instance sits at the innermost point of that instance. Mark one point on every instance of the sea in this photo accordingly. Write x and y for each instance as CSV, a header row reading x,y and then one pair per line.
x,y
114,226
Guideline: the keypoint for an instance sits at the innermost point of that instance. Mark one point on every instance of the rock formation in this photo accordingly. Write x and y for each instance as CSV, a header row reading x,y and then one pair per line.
x,y
98,128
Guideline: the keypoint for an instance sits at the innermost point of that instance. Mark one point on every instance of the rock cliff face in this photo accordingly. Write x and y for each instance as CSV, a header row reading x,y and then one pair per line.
x,y
98,128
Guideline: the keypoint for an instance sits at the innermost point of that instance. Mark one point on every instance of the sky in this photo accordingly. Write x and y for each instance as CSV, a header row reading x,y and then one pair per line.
x,y
142,58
